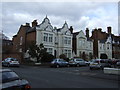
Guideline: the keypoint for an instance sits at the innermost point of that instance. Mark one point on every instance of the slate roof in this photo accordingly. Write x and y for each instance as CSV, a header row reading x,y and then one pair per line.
x,y
103,41
76,33
31,29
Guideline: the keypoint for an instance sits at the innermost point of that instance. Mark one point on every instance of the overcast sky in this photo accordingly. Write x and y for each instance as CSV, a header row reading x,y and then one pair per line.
x,y
80,15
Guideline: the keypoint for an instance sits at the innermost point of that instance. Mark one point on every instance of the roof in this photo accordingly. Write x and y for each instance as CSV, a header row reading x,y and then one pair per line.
x,y
32,29
89,39
102,41
75,34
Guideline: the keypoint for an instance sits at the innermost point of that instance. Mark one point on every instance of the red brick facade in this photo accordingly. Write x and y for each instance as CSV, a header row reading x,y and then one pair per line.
x,y
23,38
97,34
30,37
19,40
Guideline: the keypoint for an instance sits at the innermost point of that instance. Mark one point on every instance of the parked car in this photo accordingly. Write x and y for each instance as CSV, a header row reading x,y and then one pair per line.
x,y
10,62
11,81
87,63
118,63
76,62
99,63
59,63
115,62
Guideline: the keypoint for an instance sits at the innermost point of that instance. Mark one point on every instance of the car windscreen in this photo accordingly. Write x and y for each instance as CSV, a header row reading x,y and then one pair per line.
x,y
9,76
13,59
95,61
79,60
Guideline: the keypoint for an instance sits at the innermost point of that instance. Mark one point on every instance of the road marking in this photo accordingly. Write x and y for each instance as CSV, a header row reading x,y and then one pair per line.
x,y
76,70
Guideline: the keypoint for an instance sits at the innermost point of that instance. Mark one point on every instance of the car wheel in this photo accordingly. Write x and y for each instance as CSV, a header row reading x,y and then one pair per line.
x,y
78,65
5,64
57,66
8,65
102,68
91,68
68,65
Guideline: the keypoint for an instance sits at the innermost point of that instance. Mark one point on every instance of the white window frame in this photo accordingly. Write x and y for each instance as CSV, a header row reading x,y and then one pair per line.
x,y
50,50
50,36
45,37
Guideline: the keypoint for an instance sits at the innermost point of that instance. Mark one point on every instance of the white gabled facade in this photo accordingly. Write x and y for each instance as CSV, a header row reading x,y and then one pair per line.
x,y
45,35
64,41
56,41
105,47
83,45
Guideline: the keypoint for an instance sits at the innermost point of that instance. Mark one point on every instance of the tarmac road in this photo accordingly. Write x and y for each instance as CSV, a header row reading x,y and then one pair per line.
x,y
72,77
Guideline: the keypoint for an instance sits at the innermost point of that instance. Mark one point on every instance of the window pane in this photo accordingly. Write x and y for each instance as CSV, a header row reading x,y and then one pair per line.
x,y
45,37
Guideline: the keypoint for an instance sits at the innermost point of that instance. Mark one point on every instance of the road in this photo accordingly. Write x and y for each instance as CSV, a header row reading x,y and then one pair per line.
x,y
72,77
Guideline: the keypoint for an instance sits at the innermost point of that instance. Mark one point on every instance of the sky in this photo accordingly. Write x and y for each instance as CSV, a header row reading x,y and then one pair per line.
x,y
80,15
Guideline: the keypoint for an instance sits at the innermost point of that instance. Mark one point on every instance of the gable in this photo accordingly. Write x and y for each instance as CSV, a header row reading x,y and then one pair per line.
x,y
45,25
67,32
81,35
49,28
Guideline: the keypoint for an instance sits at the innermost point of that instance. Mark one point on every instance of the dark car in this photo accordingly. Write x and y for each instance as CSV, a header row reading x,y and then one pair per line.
x,y
10,62
59,63
100,63
11,81
118,64
115,62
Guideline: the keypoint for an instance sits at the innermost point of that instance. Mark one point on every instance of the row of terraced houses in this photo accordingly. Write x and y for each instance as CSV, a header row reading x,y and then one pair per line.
x,y
64,40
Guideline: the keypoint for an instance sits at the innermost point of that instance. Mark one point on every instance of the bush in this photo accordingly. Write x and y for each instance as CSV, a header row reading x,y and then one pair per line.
x,y
63,56
47,58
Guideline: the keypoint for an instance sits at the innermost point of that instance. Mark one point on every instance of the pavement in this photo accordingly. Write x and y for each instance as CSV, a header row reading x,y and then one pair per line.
x,y
107,76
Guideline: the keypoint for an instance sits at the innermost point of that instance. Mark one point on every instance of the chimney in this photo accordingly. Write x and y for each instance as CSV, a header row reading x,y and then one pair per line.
x,y
71,29
34,23
100,29
87,32
27,24
109,30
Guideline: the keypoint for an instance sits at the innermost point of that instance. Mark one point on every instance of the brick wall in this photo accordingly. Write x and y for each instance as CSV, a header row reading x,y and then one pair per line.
x,y
97,34
17,39
30,38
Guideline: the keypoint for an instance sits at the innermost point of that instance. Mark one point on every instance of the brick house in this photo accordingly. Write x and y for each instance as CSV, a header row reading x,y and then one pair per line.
x,y
25,35
105,43
22,39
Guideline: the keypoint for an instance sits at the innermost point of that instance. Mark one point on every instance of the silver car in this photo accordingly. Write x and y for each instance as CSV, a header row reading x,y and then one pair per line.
x,y
59,63
10,62
76,62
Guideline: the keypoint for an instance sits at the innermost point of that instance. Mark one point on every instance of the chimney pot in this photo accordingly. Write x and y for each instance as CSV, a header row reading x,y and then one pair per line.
x,y
27,24
34,23
109,30
71,29
87,32
100,29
